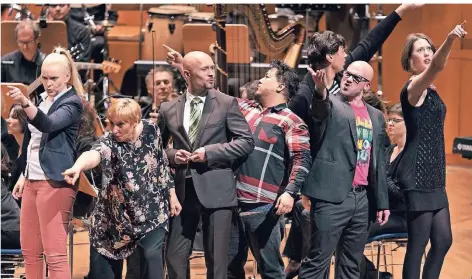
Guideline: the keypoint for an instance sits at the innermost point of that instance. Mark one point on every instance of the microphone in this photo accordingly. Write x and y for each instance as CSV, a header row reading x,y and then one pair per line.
x,y
153,71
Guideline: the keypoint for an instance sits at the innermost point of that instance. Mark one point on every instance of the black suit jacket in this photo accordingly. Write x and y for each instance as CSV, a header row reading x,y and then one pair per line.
x,y
332,172
59,127
225,135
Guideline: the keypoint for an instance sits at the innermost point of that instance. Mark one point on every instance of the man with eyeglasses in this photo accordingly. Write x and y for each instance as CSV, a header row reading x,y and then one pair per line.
x,y
24,65
346,185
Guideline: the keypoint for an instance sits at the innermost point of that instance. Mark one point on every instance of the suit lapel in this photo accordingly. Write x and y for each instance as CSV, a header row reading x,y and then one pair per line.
x,y
180,118
376,126
349,113
207,110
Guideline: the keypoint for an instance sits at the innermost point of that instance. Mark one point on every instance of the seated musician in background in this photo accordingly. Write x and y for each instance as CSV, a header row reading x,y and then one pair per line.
x,y
11,145
24,65
248,90
16,127
77,33
159,85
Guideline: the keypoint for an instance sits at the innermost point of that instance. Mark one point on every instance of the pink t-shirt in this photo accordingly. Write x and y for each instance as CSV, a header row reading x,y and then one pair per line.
x,y
363,144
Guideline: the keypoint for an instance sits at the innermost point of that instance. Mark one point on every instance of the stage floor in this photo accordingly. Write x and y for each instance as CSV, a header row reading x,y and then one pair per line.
x,y
456,266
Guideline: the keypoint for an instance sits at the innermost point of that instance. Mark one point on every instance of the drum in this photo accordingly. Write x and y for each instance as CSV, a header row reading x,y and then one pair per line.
x,y
200,17
184,9
167,24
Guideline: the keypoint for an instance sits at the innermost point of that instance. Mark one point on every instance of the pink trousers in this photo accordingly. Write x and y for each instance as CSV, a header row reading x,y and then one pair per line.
x,y
44,220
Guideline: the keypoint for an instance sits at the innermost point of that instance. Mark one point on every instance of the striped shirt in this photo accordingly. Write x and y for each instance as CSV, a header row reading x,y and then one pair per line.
x,y
281,158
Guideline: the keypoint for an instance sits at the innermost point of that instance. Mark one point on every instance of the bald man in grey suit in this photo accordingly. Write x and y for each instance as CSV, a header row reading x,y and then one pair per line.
x,y
209,133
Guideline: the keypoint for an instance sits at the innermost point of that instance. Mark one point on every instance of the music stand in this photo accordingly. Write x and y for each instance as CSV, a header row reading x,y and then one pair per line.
x,y
7,102
55,34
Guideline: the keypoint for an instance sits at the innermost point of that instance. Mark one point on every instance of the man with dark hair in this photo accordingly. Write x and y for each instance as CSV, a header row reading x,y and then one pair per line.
x,y
77,33
326,50
272,175
24,65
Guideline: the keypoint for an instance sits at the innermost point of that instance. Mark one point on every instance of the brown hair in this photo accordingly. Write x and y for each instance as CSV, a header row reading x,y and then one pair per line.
x,y
27,23
75,80
126,110
373,99
20,115
408,48
396,109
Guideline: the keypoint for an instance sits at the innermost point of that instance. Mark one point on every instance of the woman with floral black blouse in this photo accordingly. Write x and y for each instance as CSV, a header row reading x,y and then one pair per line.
x,y
133,204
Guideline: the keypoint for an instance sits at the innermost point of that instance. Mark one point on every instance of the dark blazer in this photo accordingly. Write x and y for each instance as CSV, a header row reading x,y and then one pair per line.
x,y
332,172
59,127
225,135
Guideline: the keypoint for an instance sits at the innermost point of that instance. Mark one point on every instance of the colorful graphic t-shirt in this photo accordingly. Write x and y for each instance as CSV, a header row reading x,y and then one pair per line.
x,y
363,144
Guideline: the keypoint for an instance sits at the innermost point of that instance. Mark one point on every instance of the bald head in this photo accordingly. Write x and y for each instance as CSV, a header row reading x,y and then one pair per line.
x,y
362,68
199,71
356,79
194,59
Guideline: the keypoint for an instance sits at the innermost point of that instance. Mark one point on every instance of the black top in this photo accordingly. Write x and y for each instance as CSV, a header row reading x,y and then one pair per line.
x,y
300,104
395,195
10,211
422,168
77,33
15,68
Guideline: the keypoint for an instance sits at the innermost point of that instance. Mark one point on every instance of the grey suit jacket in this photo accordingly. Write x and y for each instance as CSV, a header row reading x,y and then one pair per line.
x,y
332,173
225,135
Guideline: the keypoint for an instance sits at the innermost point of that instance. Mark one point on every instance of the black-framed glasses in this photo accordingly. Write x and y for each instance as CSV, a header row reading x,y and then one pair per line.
x,y
394,120
357,79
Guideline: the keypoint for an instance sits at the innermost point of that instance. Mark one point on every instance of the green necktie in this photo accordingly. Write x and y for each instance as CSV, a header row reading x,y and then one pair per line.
x,y
195,115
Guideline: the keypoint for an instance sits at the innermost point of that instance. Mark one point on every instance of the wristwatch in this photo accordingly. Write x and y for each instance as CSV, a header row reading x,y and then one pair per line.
x,y
294,195
25,106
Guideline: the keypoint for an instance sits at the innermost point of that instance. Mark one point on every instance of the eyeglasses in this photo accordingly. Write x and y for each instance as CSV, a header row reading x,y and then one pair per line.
x,y
357,79
26,43
394,120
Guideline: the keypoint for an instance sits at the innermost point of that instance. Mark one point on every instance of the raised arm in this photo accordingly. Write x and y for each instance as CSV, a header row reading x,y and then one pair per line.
x,y
422,81
378,35
88,160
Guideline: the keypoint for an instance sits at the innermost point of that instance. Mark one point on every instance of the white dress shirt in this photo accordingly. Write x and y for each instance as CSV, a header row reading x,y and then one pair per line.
x,y
33,167
187,109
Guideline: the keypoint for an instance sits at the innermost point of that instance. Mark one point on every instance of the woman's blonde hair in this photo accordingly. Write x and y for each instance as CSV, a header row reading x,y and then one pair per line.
x,y
124,110
74,80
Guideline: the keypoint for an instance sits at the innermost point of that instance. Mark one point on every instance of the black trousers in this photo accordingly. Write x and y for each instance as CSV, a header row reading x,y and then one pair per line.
x,y
11,240
340,228
216,227
298,240
151,264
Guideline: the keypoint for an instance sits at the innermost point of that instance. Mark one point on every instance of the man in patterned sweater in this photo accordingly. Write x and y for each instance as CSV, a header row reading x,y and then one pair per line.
x,y
271,176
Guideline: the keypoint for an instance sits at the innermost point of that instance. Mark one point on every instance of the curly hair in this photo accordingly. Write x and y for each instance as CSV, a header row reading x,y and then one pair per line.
x,y
323,43
287,76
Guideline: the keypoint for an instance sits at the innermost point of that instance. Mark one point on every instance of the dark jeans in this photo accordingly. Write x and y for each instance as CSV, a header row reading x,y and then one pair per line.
x,y
261,232
150,249
298,240
341,227
11,240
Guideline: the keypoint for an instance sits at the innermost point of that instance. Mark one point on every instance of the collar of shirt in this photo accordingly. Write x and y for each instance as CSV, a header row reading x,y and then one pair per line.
x,y
190,97
44,95
275,109
36,61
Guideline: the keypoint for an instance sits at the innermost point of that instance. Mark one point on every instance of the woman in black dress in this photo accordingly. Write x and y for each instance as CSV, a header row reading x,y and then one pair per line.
x,y
422,167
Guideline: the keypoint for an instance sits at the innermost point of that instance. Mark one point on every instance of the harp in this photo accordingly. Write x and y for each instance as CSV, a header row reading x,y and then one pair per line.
x,y
285,44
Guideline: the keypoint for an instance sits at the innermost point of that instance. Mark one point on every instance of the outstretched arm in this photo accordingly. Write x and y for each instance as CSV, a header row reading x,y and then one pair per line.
x,y
421,82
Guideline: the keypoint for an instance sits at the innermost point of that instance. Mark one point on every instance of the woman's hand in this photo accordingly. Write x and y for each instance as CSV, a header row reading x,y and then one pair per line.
x,y
458,31
175,207
71,175
18,189
17,96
